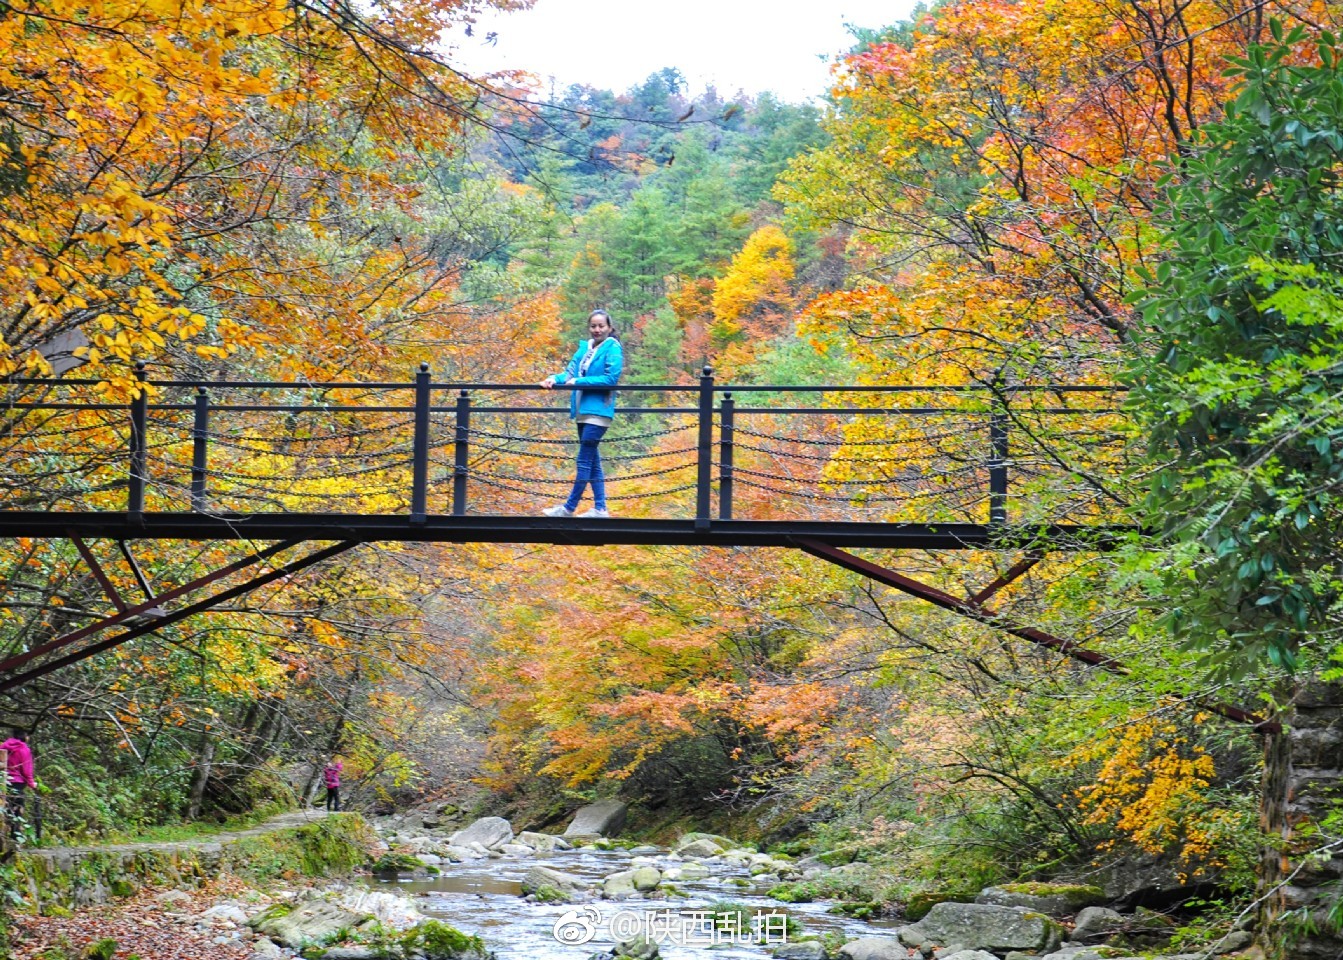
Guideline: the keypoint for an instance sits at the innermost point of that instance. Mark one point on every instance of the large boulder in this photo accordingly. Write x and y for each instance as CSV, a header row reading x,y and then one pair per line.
x,y
980,926
646,878
700,848
874,948
311,922
619,886
724,843
601,819
1097,923
543,842
1055,899
489,832
551,884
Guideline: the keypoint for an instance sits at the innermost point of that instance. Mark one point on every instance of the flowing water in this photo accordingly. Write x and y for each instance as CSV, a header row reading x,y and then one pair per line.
x,y
483,897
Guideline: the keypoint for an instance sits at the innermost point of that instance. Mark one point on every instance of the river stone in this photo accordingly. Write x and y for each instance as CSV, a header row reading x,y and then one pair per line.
x,y
619,885
647,878
263,949
693,871
638,948
1081,953
1062,900
350,953
601,819
700,848
459,854
645,850
1097,923
874,948
423,845
517,850
487,831
429,859
965,955
310,922
1233,941
567,884
723,843
979,926
543,842
226,912
399,913
806,950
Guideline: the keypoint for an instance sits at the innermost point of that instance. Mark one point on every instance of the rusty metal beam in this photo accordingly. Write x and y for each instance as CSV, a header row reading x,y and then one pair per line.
x,y
17,680
140,609
975,611
965,608
1007,577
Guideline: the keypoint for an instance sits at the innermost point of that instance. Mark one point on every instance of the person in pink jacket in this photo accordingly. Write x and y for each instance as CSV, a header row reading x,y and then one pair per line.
x,y
18,775
331,775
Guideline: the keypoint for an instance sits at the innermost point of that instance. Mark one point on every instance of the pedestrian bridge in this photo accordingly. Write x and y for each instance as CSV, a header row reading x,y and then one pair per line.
x,y
300,472
932,467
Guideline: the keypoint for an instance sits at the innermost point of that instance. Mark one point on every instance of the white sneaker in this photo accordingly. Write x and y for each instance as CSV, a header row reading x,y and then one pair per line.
x,y
560,511
597,512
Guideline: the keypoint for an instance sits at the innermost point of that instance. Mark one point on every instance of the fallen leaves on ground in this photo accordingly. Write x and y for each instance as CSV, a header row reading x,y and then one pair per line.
x,y
143,924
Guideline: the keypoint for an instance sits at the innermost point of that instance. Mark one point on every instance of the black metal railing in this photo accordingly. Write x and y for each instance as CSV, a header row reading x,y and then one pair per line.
x,y
984,452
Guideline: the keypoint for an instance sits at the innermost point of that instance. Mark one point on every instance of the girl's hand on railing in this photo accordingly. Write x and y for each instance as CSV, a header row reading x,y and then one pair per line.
x,y
548,383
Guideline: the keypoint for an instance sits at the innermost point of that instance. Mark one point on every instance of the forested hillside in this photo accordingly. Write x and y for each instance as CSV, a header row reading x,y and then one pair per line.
x,y
994,194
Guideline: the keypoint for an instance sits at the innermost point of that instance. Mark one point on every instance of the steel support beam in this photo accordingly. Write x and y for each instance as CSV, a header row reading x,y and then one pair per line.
x,y
128,613
974,611
17,680
1007,577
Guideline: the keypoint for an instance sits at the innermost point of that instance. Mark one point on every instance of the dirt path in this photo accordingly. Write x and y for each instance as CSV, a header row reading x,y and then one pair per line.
x,y
156,924
284,821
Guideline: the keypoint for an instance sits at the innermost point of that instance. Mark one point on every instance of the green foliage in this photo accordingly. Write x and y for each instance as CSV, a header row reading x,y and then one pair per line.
x,y
1240,387
103,949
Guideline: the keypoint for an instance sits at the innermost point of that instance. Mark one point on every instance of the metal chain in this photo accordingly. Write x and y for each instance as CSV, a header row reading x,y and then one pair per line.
x,y
630,496
623,477
620,439
820,496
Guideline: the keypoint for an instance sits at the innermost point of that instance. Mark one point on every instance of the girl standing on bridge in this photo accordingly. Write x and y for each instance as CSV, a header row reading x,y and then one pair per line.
x,y
597,363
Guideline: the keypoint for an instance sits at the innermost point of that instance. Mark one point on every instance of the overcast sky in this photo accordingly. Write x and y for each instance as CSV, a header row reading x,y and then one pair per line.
x,y
750,45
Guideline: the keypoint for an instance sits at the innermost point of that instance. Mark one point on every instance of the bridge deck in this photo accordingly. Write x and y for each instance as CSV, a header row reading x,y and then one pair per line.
x,y
577,531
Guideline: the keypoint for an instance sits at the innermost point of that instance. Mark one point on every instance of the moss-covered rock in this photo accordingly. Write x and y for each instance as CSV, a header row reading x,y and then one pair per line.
x,y
439,941
918,905
394,862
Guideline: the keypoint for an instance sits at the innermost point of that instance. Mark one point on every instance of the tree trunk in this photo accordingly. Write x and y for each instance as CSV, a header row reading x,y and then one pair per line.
x,y
1301,867
201,775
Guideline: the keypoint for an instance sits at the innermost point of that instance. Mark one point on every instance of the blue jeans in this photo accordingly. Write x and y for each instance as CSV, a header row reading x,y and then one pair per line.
x,y
589,468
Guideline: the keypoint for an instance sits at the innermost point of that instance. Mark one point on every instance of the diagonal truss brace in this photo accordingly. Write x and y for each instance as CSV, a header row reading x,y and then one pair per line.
x,y
974,610
9,679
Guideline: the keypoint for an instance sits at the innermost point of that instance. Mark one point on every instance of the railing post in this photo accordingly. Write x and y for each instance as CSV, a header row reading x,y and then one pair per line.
x,y
998,453
135,499
460,461
725,425
419,455
704,479
200,449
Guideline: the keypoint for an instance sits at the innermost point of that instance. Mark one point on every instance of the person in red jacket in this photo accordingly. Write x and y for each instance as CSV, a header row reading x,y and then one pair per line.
x,y
18,776
331,775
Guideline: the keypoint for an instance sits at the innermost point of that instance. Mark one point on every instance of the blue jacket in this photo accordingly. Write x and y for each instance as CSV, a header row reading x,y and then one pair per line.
x,y
603,371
